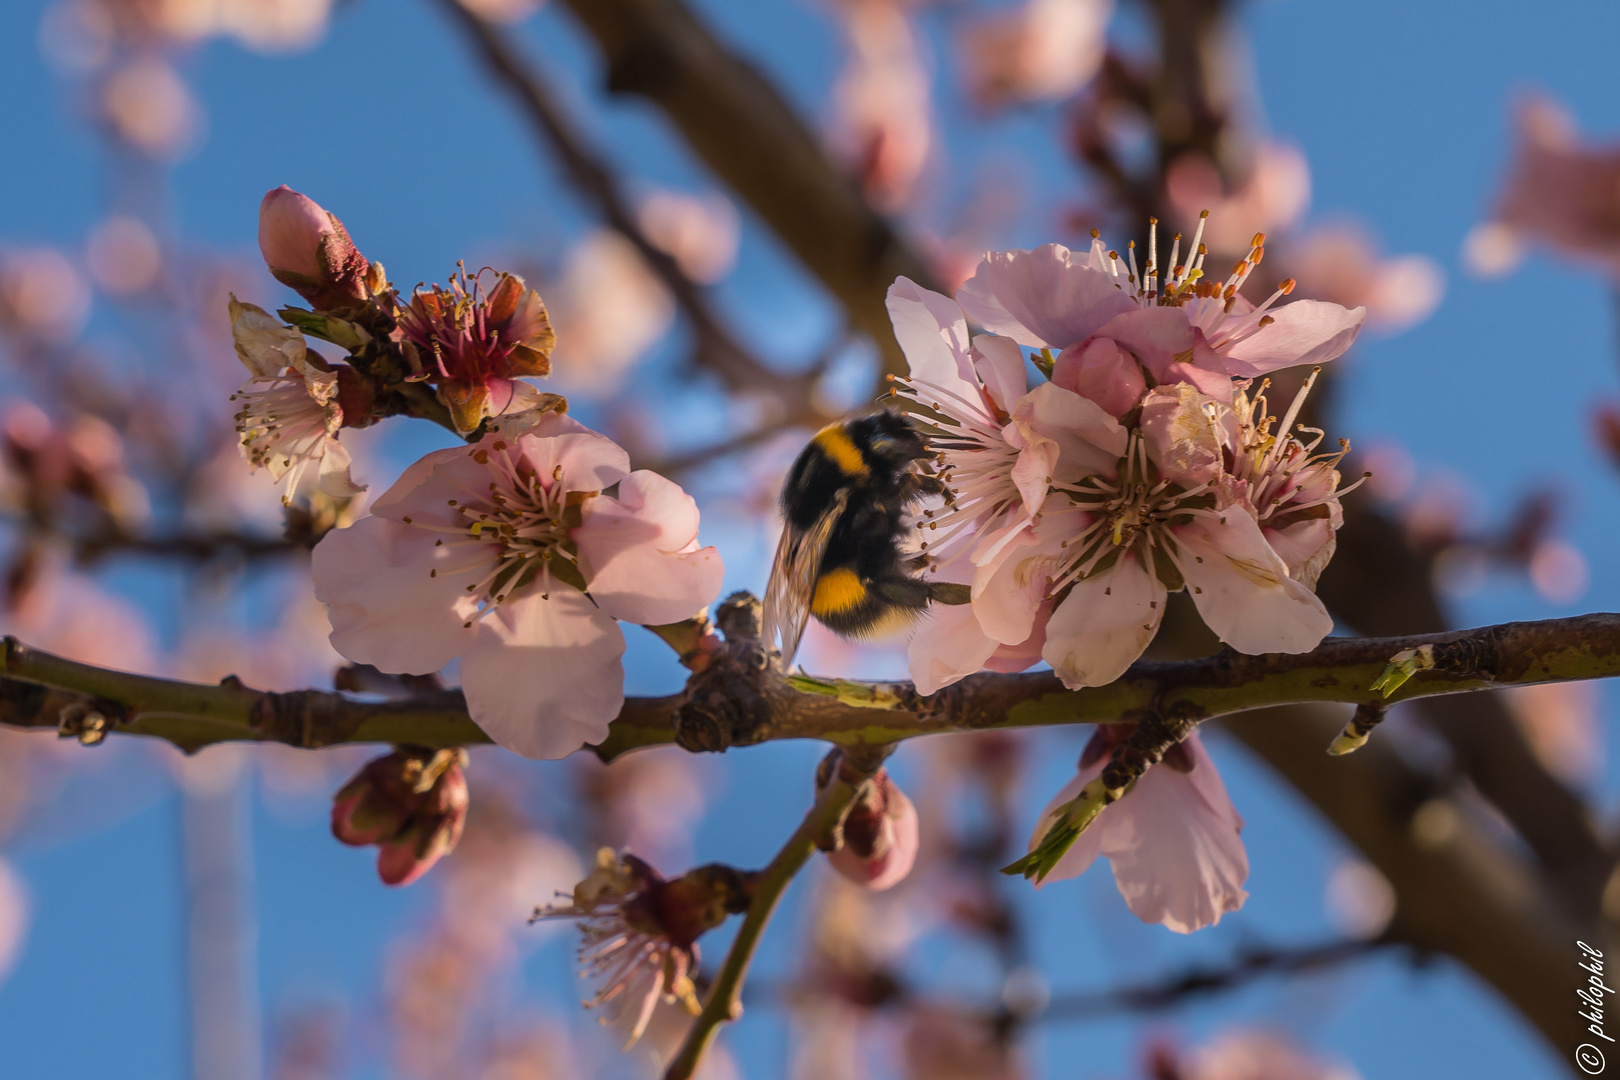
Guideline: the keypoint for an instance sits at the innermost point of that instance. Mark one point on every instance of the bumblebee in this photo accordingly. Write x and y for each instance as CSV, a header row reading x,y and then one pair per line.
x,y
844,505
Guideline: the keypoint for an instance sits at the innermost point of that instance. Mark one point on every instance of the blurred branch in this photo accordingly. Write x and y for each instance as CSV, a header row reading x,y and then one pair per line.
x,y
724,1003
1378,584
736,700
1461,891
736,121
716,347
1250,964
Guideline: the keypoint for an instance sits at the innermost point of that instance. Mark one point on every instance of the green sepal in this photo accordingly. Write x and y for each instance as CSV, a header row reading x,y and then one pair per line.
x,y
339,332
1072,819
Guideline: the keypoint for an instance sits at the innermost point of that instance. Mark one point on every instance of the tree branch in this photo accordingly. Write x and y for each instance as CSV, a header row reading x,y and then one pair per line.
x,y
736,700
737,122
717,348
1461,890
1251,964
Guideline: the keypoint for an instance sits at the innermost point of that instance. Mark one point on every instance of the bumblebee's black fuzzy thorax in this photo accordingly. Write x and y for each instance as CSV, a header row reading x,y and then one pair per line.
x,y
845,503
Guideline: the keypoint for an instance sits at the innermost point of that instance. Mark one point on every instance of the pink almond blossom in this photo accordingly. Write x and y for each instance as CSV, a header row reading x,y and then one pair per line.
x,y
1043,51
476,347
1559,192
1111,321
999,448
410,805
289,413
639,932
1111,546
1172,839
507,555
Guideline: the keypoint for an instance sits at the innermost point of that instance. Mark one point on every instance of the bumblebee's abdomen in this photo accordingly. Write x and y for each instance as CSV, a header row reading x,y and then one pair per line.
x,y
849,604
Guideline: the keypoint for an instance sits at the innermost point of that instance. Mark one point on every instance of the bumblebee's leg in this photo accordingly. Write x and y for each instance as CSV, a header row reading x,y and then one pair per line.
x,y
905,592
948,592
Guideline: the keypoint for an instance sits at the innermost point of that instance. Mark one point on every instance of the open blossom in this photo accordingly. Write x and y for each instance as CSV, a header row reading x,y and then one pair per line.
x,y
639,932
1142,467
477,347
1114,324
1172,839
882,100
1001,445
308,250
508,555
1292,491
289,412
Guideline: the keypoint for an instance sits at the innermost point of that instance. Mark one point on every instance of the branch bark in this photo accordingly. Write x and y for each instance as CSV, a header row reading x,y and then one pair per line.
x,y
738,700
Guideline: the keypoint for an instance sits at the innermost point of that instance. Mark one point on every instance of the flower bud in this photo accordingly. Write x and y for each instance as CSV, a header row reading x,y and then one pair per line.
x,y
308,250
879,836
411,804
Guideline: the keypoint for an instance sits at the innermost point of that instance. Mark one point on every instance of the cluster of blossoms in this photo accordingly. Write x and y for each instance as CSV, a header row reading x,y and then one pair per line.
x,y
1145,464
457,353
507,554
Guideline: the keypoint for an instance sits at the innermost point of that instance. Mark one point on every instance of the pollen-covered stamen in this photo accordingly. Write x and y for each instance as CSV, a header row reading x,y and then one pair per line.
x,y
974,459
1130,512
522,512
283,429
1286,479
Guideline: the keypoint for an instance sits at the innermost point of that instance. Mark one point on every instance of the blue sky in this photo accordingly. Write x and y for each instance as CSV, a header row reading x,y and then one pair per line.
x,y
1402,111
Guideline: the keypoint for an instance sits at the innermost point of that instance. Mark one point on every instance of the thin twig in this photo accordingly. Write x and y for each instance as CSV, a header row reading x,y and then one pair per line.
x,y
1250,965
724,1003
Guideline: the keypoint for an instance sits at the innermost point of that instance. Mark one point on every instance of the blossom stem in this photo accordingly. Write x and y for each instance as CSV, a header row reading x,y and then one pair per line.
x,y
724,1003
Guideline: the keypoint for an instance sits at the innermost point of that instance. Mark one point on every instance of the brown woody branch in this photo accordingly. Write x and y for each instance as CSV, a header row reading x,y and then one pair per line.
x,y
736,121
739,699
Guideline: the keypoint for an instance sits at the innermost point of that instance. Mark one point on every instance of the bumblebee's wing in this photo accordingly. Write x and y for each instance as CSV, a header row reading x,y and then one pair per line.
x,y
793,579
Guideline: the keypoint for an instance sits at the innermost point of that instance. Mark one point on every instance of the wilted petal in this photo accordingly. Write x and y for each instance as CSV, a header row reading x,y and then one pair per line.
x,y
637,552
544,676
1242,588
396,600
335,479
1182,434
1042,298
1104,624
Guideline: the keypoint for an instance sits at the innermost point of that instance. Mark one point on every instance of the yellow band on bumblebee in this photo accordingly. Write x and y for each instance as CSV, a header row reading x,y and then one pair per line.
x,y
835,442
837,590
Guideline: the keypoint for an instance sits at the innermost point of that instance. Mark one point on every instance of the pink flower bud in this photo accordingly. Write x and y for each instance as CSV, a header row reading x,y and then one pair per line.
x,y
308,250
879,837
411,804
